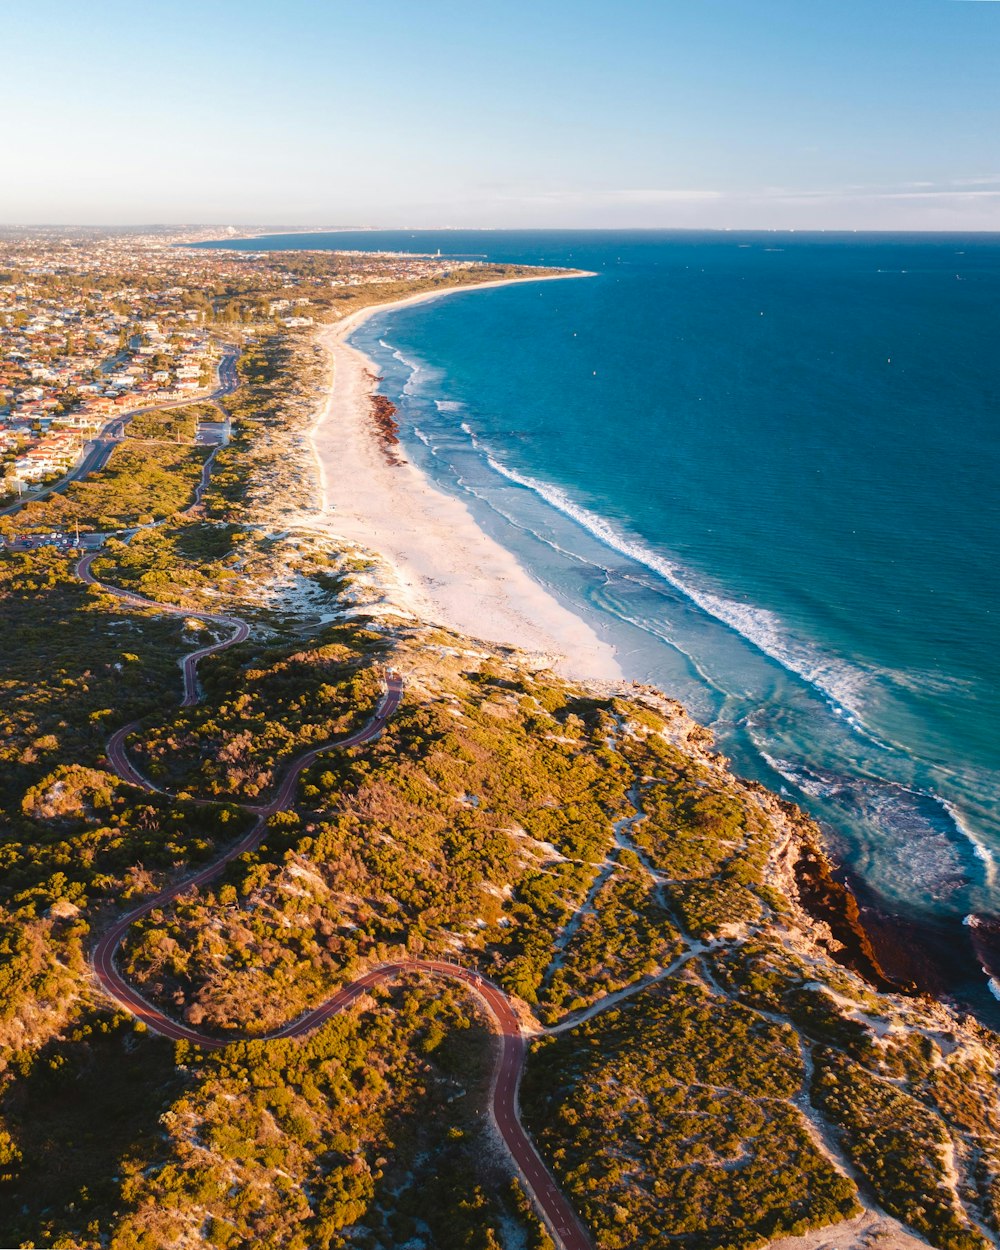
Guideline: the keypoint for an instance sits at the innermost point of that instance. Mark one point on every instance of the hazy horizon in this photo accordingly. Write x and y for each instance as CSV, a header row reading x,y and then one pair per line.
x,y
673,114
279,229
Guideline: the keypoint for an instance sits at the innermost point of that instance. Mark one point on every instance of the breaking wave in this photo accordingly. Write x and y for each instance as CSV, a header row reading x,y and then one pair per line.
x,y
839,682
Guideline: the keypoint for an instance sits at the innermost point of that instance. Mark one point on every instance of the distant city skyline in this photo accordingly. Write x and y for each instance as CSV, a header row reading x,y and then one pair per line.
x,y
755,114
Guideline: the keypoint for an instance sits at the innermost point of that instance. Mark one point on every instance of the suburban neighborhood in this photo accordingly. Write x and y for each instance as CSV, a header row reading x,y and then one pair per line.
x,y
96,326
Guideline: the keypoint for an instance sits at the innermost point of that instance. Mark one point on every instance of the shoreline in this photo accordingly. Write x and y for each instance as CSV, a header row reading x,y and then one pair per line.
x,y
435,562
437,565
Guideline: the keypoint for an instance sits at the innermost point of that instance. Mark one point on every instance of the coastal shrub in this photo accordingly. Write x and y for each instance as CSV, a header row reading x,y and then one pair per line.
x,y
373,1134
693,1092
141,481
72,1110
899,1146
64,660
254,718
709,906
173,425
626,934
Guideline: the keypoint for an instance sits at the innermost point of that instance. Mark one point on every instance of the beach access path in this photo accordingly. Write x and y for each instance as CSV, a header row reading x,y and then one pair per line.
x,y
436,563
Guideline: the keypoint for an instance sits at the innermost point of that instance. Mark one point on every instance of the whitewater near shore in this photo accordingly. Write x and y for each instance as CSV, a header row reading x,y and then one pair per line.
x,y
435,562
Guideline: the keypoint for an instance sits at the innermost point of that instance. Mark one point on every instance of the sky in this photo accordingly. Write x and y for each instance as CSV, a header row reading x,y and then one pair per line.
x,y
754,114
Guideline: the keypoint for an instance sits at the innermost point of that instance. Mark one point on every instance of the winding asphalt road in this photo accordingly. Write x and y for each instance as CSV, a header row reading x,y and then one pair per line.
x,y
99,449
563,1223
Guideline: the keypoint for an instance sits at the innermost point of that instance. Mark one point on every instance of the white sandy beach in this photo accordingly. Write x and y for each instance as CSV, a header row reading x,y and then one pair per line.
x,y
440,566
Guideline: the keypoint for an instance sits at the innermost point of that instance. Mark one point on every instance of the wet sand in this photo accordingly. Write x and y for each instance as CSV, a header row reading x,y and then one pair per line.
x,y
435,561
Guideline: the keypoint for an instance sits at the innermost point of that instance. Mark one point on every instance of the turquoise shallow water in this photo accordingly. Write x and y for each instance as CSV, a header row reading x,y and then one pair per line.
x,y
765,466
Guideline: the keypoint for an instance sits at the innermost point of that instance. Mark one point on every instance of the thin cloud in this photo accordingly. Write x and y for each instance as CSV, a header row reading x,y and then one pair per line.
x,y
969,189
623,195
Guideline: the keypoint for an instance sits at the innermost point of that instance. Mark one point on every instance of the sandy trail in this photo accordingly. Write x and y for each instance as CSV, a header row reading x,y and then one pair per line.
x,y
438,564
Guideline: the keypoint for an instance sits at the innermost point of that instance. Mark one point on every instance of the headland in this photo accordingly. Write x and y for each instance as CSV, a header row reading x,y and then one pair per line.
x,y
356,858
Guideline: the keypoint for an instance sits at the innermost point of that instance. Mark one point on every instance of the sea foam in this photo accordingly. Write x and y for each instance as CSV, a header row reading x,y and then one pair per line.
x,y
979,848
838,681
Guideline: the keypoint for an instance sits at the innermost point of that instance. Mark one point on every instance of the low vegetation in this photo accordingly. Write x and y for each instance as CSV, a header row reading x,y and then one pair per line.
x,y
143,482
174,425
670,1122
901,1148
704,1075
367,1133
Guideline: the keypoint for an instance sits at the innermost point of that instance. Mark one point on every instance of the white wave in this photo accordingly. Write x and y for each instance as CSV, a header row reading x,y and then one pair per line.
x,y
807,782
993,986
929,681
971,920
422,436
979,849
421,374
414,365
641,623
886,799
837,680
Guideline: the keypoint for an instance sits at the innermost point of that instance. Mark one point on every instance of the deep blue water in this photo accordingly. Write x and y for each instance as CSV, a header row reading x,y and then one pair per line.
x,y
765,466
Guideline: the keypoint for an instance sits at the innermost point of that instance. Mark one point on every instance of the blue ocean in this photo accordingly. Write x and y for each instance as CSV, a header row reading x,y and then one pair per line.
x,y
765,467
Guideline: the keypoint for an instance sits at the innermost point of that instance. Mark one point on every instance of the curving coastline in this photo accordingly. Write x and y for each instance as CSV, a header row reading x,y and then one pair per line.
x,y
435,562
824,915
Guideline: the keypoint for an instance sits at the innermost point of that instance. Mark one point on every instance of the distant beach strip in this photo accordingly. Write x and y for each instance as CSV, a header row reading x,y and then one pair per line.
x,y
436,562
